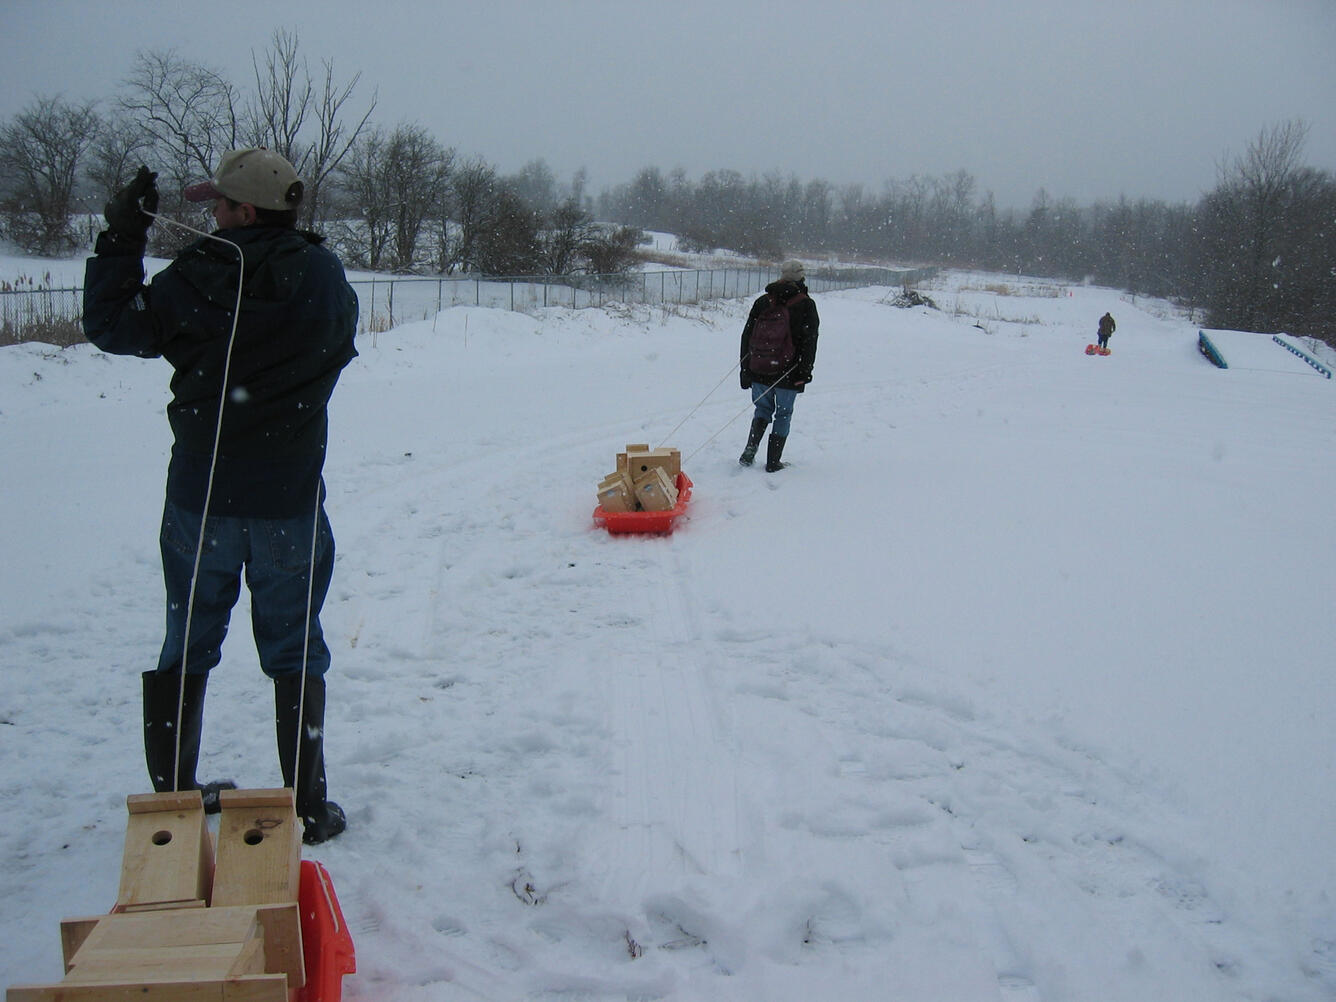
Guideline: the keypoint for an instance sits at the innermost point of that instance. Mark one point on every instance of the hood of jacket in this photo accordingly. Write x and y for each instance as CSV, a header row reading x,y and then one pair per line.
x,y
276,259
785,289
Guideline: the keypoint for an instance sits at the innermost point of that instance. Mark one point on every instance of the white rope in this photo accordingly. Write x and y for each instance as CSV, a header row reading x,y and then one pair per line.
x,y
208,491
698,405
199,543
744,410
306,634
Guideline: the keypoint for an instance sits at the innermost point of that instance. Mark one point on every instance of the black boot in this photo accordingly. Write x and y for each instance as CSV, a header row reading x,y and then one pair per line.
x,y
162,696
775,450
322,817
758,427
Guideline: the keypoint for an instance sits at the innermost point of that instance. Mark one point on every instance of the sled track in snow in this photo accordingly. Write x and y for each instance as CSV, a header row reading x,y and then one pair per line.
x,y
676,802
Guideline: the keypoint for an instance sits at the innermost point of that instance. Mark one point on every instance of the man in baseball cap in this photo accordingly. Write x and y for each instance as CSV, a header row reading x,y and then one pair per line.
x,y
254,369
255,176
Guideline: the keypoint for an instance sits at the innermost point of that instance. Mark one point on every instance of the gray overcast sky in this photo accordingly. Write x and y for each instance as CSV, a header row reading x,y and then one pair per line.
x,y
1084,98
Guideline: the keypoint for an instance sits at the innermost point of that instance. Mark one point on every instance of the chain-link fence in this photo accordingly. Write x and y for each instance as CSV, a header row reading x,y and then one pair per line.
x,y
386,302
55,315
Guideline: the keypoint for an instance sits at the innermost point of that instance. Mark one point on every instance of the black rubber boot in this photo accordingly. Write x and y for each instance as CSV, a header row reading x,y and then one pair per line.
x,y
162,696
323,819
775,450
758,427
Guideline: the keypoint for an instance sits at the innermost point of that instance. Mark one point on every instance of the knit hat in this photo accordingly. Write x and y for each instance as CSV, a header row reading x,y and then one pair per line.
x,y
258,176
792,271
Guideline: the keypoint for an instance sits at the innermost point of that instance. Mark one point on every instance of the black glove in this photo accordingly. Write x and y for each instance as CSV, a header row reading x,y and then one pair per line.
x,y
802,378
123,214
744,377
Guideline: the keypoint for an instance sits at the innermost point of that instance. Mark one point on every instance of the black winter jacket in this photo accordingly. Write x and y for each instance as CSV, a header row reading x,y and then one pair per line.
x,y
803,322
294,335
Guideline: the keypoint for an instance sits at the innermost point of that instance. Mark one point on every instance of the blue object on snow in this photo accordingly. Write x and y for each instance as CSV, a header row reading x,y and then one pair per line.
x,y
1302,354
1210,350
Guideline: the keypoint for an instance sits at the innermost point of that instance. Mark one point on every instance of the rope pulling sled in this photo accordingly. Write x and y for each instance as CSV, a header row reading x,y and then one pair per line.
x,y
649,491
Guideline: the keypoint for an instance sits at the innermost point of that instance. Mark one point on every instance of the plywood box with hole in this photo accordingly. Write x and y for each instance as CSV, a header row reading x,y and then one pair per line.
x,y
168,857
259,848
640,459
189,924
654,491
616,493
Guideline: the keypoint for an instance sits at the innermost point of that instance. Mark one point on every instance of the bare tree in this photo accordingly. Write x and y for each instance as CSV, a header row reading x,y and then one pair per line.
x,y
42,152
190,116
612,250
467,209
567,230
647,199
580,181
119,147
393,183
1249,207
289,107
335,136
507,246
366,229
417,170
283,97
536,185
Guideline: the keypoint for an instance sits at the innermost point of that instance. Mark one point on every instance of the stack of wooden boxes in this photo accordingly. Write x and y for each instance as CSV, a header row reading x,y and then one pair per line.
x,y
187,925
645,480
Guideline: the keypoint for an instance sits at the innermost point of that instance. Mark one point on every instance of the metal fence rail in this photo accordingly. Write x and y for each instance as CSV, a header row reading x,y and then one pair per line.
x,y
55,315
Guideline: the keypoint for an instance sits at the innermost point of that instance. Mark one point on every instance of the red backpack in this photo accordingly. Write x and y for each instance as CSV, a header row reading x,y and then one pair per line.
x,y
771,349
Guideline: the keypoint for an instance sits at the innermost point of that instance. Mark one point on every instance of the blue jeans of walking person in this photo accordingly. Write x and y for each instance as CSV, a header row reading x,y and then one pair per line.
x,y
275,556
774,404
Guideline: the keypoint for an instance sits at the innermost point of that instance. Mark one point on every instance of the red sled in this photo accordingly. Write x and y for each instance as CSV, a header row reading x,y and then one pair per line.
x,y
626,522
1094,349
327,946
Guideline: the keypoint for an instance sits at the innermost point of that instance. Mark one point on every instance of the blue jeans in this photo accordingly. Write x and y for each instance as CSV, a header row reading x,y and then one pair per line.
x,y
275,554
776,404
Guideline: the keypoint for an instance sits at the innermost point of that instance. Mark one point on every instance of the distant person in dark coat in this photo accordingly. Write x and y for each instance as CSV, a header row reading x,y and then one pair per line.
x,y
248,457
776,377
1106,329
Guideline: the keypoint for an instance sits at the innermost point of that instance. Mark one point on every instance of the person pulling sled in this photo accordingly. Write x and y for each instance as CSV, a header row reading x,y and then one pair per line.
x,y
775,359
1106,329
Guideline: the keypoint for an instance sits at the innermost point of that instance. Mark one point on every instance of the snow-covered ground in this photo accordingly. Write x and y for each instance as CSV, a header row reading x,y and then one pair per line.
x,y
1017,684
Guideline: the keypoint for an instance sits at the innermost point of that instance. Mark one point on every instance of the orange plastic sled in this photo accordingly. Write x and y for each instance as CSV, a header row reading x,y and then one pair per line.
x,y
327,946
620,522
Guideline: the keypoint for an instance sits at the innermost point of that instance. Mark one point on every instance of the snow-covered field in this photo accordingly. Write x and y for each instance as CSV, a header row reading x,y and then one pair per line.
x,y
1017,684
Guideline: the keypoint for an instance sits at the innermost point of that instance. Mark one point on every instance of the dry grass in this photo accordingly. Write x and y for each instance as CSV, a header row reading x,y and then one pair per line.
x,y
59,331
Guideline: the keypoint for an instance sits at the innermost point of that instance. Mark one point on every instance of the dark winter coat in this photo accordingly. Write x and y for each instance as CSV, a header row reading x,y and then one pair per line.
x,y
294,335
803,323
1106,325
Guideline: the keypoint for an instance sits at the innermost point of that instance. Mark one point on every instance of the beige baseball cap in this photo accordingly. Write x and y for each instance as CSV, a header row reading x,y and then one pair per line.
x,y
257,175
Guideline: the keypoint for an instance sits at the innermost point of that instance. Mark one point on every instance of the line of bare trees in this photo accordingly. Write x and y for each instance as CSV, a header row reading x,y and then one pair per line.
x,y
392,199
1258,252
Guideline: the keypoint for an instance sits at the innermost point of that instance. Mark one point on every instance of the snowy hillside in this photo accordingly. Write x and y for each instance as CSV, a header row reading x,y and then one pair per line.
x,y
1016,685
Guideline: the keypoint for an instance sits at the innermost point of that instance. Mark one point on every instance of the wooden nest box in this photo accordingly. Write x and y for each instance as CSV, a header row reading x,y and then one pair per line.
x,y
645,480
190,924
